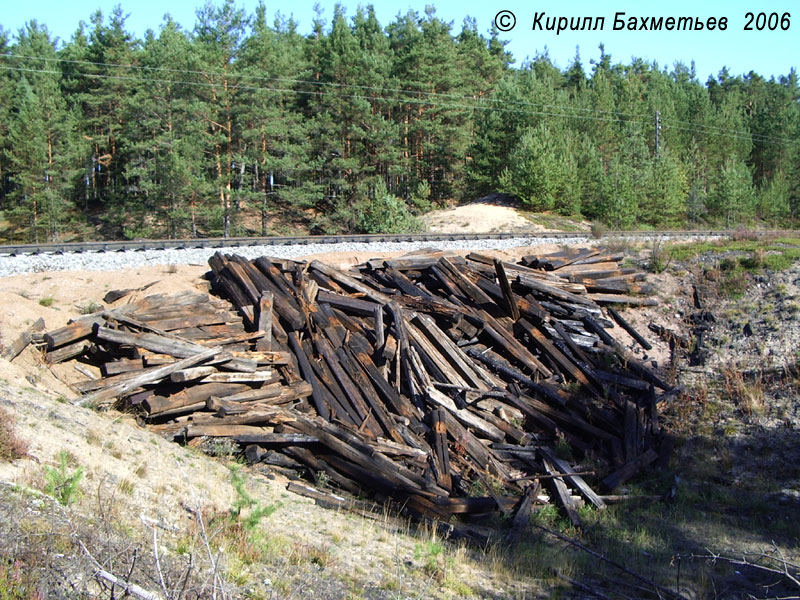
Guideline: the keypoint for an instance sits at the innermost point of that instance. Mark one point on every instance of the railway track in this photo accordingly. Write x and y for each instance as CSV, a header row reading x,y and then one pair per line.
x,y
239,242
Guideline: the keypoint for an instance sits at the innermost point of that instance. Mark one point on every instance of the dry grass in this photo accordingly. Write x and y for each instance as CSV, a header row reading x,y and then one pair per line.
x,y
12,447
748,395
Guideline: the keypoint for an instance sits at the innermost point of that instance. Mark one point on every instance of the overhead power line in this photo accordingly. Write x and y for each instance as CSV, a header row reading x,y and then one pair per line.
x,y
434,99
477,106
317,83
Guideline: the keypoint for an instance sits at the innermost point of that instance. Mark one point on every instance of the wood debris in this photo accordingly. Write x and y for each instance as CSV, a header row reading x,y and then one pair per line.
x,y
449,385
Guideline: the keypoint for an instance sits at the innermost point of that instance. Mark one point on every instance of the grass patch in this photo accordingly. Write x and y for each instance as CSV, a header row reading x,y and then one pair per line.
x,y
776,255
46,301
89,308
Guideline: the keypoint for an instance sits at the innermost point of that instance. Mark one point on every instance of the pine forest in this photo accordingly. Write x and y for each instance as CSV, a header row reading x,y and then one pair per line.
x,y
241,125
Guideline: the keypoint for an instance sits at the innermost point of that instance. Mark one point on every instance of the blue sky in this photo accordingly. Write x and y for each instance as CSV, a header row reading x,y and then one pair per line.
x,y
765,52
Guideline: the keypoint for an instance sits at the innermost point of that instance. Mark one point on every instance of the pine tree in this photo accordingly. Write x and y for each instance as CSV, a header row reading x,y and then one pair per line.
x,y
6,95
732,199
41,144
98,84
275,146
163,161
665,191
219,36
434,129
542,171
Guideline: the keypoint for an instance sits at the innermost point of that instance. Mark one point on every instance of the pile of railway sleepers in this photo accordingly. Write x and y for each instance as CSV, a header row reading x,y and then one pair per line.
x,y
450,385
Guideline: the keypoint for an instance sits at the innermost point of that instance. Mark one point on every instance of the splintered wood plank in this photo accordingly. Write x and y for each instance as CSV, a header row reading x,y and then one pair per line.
x,y
146,378
466,417
505,286
441,454
23,340
574,478
523,515
563,494
265,320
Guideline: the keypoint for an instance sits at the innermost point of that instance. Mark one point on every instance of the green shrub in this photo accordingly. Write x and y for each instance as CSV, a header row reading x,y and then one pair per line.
x,y
244,501
387,214
60,483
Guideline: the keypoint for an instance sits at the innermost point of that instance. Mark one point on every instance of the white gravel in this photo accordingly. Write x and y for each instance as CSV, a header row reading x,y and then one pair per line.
x,y
113,261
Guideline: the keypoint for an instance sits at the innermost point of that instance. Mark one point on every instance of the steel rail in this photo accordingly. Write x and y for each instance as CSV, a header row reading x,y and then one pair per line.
x,y
234,242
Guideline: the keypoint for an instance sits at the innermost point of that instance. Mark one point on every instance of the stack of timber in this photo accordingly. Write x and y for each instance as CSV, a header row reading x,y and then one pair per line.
x,y
168,355
449,385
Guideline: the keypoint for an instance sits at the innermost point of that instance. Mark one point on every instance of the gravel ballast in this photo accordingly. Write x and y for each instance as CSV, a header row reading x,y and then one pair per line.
x,y
113,261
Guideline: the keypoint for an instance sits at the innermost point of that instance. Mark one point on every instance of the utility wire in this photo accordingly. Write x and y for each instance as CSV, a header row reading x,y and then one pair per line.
x,y
315,83
482,104
637,117
481,107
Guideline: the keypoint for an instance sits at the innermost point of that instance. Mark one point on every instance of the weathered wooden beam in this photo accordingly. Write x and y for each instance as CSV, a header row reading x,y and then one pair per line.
x,y
574,478
75,331
264,320
467,418
622,299
350,282
69,351
523,515
627,327
505,286
146,378
308,375
22,342
441,454
563,494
